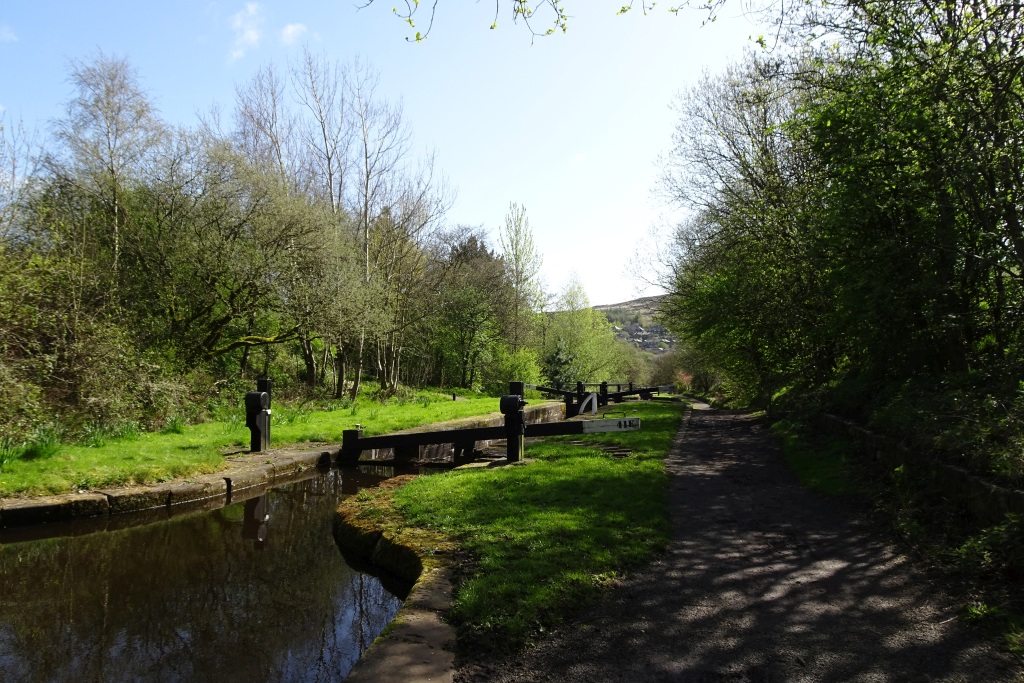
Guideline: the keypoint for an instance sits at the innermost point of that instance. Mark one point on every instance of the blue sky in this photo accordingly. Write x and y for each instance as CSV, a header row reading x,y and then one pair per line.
x,y
570,126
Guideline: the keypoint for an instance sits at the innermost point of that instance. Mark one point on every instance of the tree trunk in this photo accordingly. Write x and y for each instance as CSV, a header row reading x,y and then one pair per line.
x,y
339,367
359,365
324,362
243,365
309,360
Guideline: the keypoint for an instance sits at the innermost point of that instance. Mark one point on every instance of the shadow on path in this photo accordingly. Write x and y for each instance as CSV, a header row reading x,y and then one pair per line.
x,y
762,581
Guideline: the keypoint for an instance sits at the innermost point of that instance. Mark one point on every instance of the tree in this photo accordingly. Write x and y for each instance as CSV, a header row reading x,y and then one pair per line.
x,y
326,131
580,338
552,13
266,128
469,332
523,262
745,287
108,129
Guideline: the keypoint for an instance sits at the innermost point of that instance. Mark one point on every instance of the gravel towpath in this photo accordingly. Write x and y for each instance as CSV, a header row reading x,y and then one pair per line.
x,y
762,581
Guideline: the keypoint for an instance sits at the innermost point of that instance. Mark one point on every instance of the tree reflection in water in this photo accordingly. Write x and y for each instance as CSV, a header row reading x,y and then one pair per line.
x,y
255,591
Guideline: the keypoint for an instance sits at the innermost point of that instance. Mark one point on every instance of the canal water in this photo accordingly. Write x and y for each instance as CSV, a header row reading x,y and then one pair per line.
x,y
254,591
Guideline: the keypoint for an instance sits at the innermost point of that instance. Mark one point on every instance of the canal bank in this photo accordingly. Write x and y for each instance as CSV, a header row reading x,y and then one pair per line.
x,y
131,556
242,475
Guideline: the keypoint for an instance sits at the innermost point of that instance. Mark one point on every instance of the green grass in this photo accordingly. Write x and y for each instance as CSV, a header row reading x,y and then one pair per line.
x,y
544,536
124,456
820,463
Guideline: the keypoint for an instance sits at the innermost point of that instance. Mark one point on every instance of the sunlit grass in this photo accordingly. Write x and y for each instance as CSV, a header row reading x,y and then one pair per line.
x,y
145,458
546,535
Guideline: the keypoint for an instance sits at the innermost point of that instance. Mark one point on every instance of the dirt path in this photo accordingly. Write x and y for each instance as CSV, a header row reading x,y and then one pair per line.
x,y
762,581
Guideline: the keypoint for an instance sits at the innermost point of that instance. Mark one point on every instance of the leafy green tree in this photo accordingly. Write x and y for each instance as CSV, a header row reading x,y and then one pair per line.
x,y
581,337
474,296
523,263
108,131
745,287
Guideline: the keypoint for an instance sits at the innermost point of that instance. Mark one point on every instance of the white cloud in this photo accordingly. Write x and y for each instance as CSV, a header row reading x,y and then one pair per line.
x,y
246,25
292,32
7,34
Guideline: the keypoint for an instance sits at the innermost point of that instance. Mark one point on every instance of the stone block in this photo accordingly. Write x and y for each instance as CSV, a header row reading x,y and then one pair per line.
x,y
196,489
21,511
254,476
397,559
354,535
285,466
136,498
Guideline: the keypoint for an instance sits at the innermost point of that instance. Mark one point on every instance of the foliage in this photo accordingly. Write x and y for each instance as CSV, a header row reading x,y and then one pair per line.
x,y
511,366
854,232
560,367
579,345
149,273
523,262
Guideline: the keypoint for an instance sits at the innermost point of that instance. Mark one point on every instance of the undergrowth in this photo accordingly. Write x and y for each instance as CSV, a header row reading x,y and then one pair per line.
x,y
983,565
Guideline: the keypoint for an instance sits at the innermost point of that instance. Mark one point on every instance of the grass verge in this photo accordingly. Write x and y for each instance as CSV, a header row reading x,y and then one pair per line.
x,y
132,457
821,463
983,567
537,539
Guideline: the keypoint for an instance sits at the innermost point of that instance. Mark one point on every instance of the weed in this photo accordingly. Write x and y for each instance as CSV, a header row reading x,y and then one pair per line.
x,y
10,450
95,435
175,425
127,431
44,444
284,416
997,549
980,611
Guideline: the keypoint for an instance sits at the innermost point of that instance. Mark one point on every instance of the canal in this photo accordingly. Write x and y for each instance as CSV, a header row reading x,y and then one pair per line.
x,y
254,591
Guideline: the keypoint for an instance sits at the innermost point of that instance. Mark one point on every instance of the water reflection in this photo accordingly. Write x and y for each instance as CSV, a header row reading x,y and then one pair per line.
x,y
255,591
255,520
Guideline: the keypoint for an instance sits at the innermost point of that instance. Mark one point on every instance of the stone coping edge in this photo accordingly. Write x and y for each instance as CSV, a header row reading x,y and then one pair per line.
x,y
242,476
418,645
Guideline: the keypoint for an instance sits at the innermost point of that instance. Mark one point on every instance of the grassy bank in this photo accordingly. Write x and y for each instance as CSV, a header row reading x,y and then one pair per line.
x,y
540,538
130,457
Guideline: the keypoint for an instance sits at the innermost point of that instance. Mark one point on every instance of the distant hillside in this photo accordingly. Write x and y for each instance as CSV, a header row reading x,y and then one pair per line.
x,y
647,305
634,322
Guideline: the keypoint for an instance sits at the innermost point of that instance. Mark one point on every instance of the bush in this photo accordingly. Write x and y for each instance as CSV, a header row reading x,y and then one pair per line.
x,y
510,366
20,404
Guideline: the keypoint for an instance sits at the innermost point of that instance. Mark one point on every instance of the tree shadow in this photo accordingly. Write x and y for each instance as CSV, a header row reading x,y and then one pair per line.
x,y
763,581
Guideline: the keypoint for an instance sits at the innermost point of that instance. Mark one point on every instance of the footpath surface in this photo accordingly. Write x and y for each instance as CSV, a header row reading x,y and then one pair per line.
x,y
762,581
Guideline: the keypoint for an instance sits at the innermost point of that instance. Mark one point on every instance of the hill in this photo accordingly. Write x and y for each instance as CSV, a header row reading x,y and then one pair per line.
x,y
636,322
